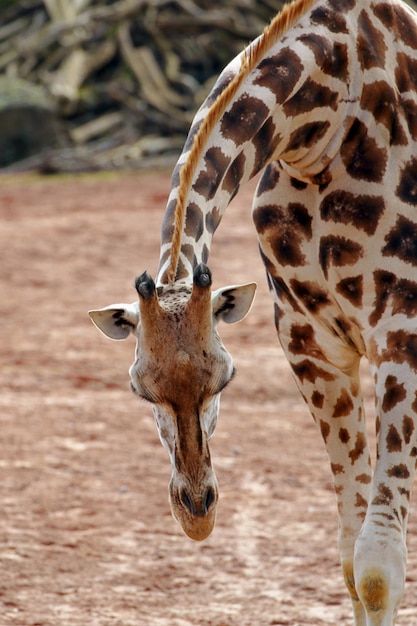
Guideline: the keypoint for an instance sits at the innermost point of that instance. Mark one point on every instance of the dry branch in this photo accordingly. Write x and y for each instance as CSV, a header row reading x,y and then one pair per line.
x,y
123,78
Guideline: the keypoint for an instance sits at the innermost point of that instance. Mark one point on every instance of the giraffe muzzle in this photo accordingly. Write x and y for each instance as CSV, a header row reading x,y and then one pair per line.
x,y
200,507
195,508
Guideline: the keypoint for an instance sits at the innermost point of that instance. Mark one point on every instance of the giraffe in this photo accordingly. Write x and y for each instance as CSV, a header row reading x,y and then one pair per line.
x,y
324,105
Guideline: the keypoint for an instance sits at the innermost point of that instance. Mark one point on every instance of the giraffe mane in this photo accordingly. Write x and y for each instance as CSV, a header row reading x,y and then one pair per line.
x,y
282,22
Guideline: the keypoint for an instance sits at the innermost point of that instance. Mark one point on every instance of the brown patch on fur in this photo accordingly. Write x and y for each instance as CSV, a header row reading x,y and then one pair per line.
x,y
404,492
360,501
303,341
407,187
401,291
361,211
338,251
382,101
344,405
313,297
394,393
410,111
213,220
401,348
344,435
398,471
282,290
371,46
317,399
408,428
330,56
265,143
332,20
406,73
244,118
194,222
310,96
234,175
280,73
307,370
360,447
384,496
398,21
285,229
352,289
362,157
325,430
393,440
210,177
307,135
364,479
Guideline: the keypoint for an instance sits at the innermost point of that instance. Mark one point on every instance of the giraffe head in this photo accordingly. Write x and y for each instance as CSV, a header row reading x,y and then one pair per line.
x,y
181,367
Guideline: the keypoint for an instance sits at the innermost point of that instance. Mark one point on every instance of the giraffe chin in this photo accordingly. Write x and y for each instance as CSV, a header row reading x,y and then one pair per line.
x,y
193,501
196,516
197,528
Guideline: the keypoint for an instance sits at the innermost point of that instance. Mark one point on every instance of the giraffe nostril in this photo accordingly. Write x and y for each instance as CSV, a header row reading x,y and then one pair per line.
x,y
200,509
187,502
210,498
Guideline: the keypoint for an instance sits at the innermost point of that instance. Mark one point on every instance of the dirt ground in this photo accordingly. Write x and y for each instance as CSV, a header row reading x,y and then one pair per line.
x,y
86,535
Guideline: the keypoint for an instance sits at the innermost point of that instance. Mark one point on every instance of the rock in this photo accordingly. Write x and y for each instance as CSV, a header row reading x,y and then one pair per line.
x,y
28,121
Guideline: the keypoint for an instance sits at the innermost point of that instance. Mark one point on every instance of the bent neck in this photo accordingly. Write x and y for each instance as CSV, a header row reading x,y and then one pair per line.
x,y
256,113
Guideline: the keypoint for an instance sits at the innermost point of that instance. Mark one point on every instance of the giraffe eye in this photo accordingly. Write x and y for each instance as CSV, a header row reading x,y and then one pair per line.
x,y
141,393
225,382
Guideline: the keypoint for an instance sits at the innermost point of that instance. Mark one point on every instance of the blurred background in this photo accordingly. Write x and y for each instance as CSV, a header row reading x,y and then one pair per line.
x,y
108,84
112,84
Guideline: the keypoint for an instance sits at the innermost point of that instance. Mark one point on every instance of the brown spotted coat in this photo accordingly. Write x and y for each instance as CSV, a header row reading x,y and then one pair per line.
x,y
329,115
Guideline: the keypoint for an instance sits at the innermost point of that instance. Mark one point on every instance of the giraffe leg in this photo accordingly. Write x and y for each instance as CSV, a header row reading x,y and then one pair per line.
x,y
335,401
380,550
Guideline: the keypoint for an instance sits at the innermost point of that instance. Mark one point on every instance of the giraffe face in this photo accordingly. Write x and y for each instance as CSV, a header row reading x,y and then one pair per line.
x,y
181,366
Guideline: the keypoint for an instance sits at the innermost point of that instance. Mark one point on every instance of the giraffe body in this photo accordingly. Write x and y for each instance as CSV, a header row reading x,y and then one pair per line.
x,y
324,103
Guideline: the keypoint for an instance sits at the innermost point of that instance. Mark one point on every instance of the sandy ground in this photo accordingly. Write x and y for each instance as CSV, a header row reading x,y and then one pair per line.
x,y
86,535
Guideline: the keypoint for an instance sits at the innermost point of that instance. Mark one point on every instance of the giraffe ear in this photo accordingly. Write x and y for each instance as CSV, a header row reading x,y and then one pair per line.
x,y
116,321
231,304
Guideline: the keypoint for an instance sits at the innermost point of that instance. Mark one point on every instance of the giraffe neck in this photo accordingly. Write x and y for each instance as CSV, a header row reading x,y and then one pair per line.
x,y
257,112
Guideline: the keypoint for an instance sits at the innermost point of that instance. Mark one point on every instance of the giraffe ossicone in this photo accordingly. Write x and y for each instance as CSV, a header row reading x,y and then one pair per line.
x,y
324,104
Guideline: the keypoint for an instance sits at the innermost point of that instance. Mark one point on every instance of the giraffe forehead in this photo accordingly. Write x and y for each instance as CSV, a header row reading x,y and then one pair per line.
x,y
184,322
180,334
174,299
183,358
